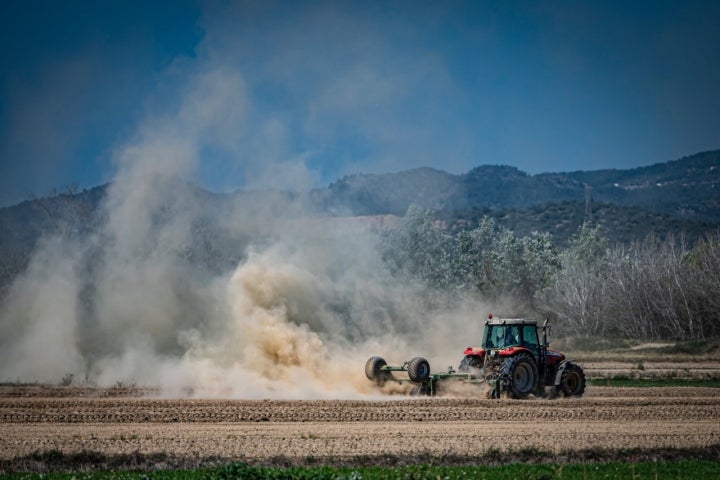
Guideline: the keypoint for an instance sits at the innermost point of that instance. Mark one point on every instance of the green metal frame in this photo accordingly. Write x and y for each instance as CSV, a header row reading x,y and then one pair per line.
x,y
436,377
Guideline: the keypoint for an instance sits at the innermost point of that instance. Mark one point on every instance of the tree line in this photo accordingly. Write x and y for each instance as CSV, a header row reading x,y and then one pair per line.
x,y
649,289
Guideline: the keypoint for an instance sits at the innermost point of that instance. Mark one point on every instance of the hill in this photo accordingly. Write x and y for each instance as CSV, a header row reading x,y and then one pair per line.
x,y
671,197
685,189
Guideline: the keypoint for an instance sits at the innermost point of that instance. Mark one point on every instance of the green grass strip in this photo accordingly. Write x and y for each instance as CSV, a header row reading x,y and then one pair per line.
x,y
641,382
683,469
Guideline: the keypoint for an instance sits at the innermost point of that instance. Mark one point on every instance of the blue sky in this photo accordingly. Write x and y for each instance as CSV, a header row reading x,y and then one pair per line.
x,y
296,94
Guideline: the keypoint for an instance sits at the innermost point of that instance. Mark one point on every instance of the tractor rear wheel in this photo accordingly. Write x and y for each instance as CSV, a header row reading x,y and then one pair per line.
x,y
572,381
418,369
373,372
520,375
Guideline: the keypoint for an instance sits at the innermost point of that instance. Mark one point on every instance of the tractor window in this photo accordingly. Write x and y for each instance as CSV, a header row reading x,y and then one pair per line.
x,y
512,336
495,336
530,335
501,336
491,334
530,339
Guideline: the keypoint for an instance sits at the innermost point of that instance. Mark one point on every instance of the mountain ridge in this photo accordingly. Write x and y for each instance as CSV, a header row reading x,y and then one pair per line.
x,y
666,198
687,188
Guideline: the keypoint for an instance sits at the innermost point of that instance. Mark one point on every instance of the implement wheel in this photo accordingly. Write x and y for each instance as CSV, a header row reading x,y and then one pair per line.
x,y
373,372
418,369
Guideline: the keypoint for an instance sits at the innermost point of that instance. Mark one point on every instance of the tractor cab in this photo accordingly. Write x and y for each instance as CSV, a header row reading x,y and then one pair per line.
x,y
515,333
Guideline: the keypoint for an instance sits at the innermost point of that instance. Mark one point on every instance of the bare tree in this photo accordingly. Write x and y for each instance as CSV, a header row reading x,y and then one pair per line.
x,y
703,277
578,292
651,290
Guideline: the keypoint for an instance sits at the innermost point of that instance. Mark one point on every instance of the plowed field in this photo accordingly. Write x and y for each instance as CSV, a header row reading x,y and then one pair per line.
x,y
132,422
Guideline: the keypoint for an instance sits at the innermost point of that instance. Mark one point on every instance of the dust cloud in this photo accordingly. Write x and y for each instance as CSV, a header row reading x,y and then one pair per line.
x,y
306,303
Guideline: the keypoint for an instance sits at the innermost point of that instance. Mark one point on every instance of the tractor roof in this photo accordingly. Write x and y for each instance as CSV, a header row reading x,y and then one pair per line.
x,y
510,321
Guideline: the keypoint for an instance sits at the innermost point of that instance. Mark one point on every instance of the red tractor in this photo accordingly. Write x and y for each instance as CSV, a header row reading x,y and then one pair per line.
x,y
512,359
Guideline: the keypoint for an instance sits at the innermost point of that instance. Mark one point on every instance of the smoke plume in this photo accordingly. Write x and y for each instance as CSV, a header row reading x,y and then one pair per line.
x,y
304,304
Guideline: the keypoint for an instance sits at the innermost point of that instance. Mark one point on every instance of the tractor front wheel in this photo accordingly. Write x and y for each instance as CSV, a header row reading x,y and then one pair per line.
x,y
572,381
468,362
520,375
